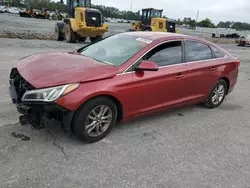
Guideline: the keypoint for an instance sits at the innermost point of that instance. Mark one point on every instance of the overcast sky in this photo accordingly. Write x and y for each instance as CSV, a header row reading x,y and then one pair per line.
x,y
216,10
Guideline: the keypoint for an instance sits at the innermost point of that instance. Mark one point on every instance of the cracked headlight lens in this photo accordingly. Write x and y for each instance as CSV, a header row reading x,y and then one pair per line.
x,y
49,94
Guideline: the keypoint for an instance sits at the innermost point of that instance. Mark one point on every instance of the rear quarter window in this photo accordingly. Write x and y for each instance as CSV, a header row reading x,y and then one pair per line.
x,y
217,53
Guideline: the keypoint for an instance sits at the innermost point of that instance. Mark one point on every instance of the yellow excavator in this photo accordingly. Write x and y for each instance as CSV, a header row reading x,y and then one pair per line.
x,y
83,22
152,20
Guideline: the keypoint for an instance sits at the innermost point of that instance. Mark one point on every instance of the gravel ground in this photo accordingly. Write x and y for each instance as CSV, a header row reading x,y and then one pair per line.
x,y
13,26
186,147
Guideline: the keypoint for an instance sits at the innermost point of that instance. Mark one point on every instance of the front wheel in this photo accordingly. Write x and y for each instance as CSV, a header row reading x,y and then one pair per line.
x,y
95,119
217,94
82,39
70,35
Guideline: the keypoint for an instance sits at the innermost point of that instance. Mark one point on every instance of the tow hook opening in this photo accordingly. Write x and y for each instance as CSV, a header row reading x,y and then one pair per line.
x,y
25,120
36,121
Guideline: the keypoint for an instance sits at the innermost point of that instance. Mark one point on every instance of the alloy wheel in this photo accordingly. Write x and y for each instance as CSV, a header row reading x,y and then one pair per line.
x,y
218,94
98,120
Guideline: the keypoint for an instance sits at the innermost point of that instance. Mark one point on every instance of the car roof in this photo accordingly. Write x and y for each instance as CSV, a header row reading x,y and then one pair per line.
x,y
155,35
149,35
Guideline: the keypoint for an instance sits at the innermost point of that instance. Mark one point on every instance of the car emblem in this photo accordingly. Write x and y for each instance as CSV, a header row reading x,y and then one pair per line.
x,y
94,18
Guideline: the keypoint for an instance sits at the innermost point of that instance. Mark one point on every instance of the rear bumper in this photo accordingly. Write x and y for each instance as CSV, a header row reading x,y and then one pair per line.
x,y
231,88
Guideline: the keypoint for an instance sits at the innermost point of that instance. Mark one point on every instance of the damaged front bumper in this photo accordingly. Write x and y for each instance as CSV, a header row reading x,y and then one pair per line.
x,y
35,113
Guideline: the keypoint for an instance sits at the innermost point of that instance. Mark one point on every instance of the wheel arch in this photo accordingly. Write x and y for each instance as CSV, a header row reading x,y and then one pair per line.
x,y
227,81
72,23
110,96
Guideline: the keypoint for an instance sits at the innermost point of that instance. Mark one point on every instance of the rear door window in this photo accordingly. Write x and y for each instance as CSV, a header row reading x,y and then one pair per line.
x,y
196,51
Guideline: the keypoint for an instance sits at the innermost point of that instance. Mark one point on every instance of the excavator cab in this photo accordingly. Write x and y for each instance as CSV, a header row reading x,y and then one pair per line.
x,y
72,4
152,20
83,22
149,13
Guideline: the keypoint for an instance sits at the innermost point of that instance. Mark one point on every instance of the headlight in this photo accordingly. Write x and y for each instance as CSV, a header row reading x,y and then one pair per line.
x,y
49,94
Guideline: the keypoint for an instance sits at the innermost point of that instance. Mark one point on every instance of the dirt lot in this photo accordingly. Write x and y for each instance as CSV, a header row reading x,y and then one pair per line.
x,y
187,147
19,27
13,26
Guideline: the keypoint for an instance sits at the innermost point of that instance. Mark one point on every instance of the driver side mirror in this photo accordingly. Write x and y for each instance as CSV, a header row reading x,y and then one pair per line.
x,y
146,65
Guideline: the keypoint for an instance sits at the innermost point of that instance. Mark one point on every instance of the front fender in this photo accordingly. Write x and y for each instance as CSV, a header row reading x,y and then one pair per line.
x,y
97,94
77,98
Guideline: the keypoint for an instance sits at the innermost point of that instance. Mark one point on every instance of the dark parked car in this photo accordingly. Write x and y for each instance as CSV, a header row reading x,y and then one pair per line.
x,y
121,77
243,40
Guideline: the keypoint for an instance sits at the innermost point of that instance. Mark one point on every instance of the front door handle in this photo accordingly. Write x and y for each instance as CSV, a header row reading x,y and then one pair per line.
x,y
179,75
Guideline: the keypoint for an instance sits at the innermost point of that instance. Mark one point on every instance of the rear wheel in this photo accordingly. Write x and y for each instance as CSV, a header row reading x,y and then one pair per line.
x,y
242,43
70,35
217,94
95,39
95,119
58,33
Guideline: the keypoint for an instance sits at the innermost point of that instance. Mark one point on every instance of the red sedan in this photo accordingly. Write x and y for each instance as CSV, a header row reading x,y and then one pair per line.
x,y
118,78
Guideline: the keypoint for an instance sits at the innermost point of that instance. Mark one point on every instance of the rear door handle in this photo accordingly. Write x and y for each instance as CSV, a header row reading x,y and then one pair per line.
x,y
213,68
179,75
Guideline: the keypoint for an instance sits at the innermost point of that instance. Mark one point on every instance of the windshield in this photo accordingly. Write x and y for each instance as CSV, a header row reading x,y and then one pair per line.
x,y
115,50
84,3
156,14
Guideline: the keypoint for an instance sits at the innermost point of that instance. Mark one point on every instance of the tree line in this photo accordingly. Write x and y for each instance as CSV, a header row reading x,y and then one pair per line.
x,y
234,25
128,15
208,23
51,6
192,23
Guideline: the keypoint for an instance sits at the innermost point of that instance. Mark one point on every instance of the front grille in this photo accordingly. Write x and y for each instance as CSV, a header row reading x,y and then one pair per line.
x,y
93,19
19,84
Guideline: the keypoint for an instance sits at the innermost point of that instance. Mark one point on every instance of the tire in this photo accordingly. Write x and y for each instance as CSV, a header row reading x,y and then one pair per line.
x,y
242,43
209,103
95,39
70,35
81,119
130,30
82,39
58,33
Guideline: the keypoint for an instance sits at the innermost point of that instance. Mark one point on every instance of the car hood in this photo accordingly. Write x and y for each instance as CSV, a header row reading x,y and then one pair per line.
x,y
51,69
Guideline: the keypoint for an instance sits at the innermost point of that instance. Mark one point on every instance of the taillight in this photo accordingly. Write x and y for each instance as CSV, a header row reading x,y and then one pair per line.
x,y
247,41
237,63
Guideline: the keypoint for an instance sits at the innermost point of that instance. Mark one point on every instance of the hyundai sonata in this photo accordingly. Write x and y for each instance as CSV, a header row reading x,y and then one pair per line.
x,y
118,78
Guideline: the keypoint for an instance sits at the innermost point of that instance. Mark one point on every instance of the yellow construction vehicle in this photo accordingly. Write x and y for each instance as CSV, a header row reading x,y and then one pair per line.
x,y
152,20
42,14
83,22
29,13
